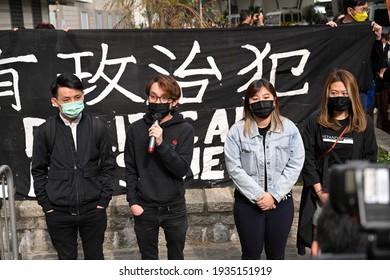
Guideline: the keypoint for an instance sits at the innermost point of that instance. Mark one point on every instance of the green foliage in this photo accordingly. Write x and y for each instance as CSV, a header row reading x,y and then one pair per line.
x,y
383,156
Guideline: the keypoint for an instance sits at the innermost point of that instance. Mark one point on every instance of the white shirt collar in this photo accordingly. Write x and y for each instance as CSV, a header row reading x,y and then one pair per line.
x,y
74,123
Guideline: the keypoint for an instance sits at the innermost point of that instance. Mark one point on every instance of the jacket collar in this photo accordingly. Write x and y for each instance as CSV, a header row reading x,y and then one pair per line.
x,y
255,129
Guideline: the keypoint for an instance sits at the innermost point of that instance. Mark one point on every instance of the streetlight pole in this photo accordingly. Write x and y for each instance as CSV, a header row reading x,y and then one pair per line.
x,y
230,13
201,13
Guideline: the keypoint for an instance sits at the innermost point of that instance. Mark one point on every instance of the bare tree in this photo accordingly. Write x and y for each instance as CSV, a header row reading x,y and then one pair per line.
x,y
164,13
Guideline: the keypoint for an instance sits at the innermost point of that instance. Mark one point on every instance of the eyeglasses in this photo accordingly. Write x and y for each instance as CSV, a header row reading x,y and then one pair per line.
x,y
163,99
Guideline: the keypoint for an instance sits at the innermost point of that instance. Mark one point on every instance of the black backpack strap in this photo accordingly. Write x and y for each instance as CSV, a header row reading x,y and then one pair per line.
x,y
50,133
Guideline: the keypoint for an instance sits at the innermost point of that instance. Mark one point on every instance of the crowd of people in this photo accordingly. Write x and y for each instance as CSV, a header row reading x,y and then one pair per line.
x,y
73,165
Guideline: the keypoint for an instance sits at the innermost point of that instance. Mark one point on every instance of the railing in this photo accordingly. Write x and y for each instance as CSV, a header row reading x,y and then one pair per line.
x,y
8,235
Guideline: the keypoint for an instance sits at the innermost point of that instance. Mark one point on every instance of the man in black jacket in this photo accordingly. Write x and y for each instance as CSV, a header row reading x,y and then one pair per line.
x,y
73,170
154,173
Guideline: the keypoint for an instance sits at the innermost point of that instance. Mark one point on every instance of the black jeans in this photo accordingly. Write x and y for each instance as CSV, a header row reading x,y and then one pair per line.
x,y
258,229
172,219
64,228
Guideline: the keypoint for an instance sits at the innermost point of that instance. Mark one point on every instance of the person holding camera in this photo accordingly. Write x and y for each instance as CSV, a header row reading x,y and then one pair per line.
x,y
258,19
338,132
245,19
248,19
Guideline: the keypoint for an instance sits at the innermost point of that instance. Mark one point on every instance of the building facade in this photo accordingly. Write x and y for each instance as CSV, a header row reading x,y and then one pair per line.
x,y
73,14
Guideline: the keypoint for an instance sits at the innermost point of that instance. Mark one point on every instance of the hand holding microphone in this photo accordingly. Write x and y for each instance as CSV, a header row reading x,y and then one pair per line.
x,y
152,139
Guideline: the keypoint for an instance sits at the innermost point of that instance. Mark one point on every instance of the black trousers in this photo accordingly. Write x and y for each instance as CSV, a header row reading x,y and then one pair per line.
x,y
172,219
259,229
64,229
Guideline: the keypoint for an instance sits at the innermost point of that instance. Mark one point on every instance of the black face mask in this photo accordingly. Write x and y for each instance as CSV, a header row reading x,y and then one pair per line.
x,y
339,103
162,108
262,109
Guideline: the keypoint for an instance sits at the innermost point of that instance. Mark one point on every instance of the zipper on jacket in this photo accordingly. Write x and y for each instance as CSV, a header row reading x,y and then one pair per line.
x,y
74,159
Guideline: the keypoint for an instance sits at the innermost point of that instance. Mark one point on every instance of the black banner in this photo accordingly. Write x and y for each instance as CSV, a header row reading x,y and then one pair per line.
x,y
212,66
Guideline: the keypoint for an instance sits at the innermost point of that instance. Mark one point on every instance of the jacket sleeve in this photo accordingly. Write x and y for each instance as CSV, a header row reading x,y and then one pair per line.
x,y
107,168
178,161
310,175
370,147
292,170
131,167
40,168
377,60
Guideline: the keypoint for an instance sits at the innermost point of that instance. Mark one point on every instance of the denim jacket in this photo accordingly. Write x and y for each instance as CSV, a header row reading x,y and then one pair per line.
x,y
246,159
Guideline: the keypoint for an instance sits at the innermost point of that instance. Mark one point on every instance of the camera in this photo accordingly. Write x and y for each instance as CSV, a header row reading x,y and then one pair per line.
x,y
362,190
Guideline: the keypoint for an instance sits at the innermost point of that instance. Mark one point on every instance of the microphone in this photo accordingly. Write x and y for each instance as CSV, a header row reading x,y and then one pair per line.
x,y
152,140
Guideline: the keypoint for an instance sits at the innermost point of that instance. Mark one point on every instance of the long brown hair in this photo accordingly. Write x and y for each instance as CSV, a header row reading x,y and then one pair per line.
x,y
253,88
357,118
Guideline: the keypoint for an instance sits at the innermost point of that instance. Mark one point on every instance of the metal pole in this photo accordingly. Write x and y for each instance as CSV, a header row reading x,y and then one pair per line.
x,y
230,13
201,13
4,169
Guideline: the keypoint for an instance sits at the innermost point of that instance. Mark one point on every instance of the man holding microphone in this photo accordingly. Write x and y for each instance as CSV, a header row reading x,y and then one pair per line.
x,y
158,154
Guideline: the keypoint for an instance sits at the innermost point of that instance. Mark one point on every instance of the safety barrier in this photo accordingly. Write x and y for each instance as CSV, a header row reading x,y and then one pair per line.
x,y
8,234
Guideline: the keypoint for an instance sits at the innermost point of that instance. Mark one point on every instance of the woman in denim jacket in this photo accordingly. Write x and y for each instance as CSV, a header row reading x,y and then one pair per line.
x,y
264,156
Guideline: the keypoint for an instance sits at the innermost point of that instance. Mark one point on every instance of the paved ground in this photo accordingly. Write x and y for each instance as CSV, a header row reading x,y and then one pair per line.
x,y
383,139
225,251
213,251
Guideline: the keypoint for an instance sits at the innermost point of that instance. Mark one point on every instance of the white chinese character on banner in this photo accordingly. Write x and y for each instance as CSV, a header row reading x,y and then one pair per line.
x,y
14,84
112,83
184,72
258,64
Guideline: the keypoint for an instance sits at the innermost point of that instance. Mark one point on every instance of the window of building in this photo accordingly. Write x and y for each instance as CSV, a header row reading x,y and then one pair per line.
x,y
109,21
53,18
16,13
36,11
99,20
117,20
84,20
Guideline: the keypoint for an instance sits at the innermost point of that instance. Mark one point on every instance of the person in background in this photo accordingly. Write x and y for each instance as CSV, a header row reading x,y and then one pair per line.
x,y
264,156
356,11
154,175
338,132
73,173
258,19
44,25
339,236
246,19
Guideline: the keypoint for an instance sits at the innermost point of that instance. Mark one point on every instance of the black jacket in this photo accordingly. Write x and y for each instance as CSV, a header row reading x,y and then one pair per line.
x,y
69,180
156,179
316,171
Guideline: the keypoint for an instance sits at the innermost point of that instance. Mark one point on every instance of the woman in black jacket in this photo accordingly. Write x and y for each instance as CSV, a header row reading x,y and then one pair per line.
x,y
340,131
